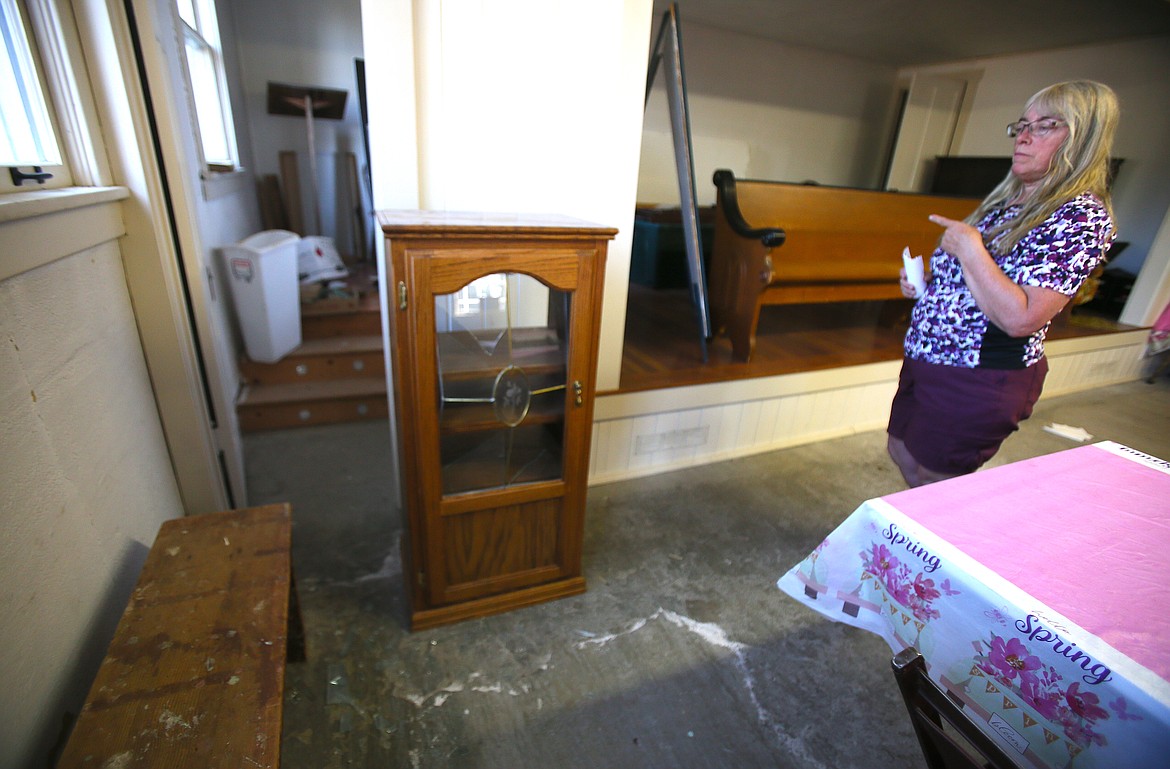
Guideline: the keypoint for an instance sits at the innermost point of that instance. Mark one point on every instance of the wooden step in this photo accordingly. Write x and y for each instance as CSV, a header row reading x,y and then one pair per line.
x,y
335,324
298,404
337,374
316,360
360,316
352,311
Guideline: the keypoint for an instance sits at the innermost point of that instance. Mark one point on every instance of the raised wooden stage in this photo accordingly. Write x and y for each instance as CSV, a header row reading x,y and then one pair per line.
x,y
662,346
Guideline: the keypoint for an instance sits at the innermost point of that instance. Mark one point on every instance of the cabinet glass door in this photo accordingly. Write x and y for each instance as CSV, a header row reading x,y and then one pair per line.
x,y
502,355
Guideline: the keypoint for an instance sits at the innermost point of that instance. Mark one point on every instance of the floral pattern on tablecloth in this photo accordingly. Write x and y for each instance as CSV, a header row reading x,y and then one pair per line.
x,y
1022,672
914,590
1033,705
906,593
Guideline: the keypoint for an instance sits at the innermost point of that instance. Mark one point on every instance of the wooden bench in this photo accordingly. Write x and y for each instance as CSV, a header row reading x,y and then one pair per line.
x,y
780,243
194,676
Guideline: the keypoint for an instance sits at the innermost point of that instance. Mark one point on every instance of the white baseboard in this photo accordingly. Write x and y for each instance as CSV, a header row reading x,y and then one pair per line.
x,y
658,431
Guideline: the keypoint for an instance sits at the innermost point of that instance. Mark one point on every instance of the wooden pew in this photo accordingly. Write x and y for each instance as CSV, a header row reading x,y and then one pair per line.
x,y
780,243
194,676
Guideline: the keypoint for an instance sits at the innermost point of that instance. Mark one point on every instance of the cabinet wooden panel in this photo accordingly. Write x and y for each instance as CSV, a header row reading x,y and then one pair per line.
x,y
494,326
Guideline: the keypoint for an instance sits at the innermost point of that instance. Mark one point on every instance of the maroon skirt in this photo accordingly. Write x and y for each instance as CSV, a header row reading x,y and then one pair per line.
x,y
953,419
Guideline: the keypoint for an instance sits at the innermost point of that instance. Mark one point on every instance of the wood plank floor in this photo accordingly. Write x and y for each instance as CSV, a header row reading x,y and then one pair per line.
x,y
662,347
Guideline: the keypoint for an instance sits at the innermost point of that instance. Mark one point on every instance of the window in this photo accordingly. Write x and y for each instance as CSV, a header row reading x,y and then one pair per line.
x,y
28,143
204,55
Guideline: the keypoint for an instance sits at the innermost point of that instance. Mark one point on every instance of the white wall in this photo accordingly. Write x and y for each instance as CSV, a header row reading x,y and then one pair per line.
x,y
86,478
768,111
305,44
1151,292
532,106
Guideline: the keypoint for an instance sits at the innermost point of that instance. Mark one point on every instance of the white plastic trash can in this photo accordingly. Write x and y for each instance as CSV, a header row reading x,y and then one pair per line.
x,y
262,270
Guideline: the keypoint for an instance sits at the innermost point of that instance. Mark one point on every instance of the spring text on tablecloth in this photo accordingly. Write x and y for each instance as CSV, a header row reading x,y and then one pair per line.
x,y
1097,673
896,538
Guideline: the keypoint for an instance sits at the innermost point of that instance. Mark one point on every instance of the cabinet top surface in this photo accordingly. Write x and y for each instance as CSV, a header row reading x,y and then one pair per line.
x,y
473,223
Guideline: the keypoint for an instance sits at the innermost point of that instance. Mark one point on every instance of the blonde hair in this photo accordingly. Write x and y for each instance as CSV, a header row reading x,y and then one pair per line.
x,y
1080,165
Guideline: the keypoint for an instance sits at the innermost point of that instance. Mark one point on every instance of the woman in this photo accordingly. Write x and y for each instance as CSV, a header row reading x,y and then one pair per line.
x,y
974,353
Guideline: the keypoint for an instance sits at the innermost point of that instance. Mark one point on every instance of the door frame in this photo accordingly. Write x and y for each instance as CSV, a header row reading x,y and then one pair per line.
x,y
154,250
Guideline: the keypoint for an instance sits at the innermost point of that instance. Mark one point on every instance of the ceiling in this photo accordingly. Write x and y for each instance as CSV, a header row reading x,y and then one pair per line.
x,y
904,33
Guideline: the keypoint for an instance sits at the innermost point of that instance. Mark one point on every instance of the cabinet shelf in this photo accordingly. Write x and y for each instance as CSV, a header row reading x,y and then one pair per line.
x,y
481,417
468,355
504,459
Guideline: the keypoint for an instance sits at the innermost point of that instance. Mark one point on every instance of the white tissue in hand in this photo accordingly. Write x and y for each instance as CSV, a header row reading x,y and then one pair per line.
x,y
915,273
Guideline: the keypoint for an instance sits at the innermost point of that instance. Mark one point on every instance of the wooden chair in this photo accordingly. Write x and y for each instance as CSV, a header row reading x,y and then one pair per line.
x,y
949,739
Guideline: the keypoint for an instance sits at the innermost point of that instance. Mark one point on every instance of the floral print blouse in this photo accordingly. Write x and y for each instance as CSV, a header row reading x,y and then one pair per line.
x,y
947,327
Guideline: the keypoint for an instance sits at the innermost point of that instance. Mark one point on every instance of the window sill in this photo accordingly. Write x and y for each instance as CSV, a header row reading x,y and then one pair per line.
x,y
15,206
219,184
39,227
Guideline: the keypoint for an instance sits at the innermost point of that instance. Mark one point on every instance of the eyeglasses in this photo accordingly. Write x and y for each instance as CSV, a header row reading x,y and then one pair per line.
x,y
1038,128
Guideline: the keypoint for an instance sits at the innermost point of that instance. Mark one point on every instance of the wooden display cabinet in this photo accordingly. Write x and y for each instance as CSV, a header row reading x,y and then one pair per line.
x,y
494,332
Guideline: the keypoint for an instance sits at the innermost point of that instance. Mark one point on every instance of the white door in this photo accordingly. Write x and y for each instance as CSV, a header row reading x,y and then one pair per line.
x,y
927,130
207,211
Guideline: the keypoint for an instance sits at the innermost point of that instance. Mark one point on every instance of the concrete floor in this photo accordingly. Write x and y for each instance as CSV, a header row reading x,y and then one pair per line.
x,y
681,654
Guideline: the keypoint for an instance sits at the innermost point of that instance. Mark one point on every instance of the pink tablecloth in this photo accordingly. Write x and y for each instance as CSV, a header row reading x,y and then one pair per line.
x,y
1036,592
